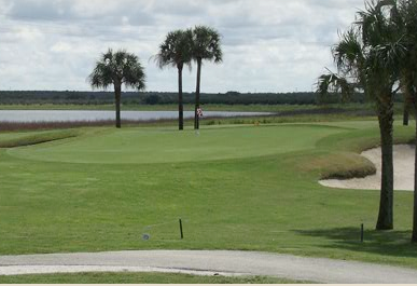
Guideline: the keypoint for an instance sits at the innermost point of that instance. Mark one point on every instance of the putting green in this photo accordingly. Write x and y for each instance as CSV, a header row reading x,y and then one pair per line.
x,y
255,188
138,146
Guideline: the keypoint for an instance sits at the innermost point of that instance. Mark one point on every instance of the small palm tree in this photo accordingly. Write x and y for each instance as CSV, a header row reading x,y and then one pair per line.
x,y
117,69
176,51
206,46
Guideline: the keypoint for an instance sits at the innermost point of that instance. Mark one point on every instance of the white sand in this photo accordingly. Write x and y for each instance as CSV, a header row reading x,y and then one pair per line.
x,y
403,171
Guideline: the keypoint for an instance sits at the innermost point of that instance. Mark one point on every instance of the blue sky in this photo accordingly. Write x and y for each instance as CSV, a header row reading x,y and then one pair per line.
x,y
268,45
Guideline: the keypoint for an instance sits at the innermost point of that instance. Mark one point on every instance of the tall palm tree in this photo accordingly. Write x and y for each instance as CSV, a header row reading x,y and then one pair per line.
x,y
176,51
368,56
206,46
408,11
117,69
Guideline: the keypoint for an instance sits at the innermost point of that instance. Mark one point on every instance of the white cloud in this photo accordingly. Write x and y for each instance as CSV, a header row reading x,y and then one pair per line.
x,y
269,45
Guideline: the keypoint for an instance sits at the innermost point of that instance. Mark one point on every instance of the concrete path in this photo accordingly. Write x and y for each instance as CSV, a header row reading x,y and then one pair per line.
x,y
209,263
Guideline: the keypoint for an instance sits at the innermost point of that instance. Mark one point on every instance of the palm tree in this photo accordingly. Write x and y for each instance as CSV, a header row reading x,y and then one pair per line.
x,y
117,69
206,46
408,11
176,51
368,59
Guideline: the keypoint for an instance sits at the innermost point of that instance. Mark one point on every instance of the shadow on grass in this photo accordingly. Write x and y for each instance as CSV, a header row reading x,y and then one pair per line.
x,y
391,243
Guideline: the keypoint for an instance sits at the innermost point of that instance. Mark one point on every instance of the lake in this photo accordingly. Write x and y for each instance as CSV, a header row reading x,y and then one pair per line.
x,y
95,115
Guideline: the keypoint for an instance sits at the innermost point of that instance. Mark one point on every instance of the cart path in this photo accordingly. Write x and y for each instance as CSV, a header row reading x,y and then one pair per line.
x,y
209,263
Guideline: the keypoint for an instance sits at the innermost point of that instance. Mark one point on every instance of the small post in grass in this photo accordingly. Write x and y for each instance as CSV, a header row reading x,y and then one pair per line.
x,y
182,235
362,229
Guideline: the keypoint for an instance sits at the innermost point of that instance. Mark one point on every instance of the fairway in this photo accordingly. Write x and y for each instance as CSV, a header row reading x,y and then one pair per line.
x,y
234,187
140,146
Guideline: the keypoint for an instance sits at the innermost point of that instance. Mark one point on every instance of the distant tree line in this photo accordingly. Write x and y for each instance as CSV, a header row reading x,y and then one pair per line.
x,y
154,98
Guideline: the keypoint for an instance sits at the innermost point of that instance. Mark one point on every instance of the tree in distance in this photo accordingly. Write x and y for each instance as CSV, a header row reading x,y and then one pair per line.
x,y
176,51
117,69
206,46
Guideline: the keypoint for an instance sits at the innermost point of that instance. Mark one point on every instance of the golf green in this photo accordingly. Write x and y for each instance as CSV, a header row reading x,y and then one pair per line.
x,y
234,187
139,146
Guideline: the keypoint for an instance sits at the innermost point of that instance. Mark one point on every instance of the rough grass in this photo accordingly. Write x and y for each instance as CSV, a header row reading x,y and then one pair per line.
x,y
28,126
139,278
10,140
338,165
261,193
349,164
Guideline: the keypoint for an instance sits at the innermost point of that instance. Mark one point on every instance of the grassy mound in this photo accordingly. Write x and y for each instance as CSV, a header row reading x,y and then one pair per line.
x,y
337,165
19,139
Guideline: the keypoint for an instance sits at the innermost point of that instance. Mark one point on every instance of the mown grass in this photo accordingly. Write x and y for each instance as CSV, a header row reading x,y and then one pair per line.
x,y
139,278
237,188
151,146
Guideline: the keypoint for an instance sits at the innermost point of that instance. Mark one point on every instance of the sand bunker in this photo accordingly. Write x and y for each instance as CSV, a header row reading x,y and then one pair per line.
x,y
403,171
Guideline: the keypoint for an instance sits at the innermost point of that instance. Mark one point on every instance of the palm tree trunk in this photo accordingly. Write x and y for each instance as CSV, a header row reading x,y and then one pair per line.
x,y
118,95
180,103
411,103
406,114
197,96
414,236
386,213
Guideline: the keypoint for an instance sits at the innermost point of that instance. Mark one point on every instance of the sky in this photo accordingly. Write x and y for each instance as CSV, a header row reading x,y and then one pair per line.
x,y
268,45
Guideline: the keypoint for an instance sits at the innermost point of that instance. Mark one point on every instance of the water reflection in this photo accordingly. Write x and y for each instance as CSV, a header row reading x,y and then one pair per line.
x,y
89,115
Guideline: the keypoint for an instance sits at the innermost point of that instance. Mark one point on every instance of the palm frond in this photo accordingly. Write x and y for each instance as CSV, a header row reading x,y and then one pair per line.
x,y
332,83
348,53
115,68
176,50
207,44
